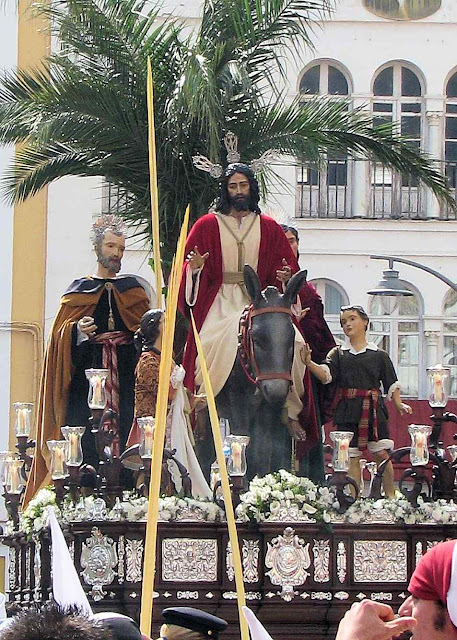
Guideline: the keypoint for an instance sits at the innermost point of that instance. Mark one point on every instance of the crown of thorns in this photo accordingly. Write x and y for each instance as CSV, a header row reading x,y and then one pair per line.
x,y
231,144
108,222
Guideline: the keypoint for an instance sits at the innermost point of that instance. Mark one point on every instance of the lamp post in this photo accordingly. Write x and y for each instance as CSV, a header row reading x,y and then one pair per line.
x,y
392,285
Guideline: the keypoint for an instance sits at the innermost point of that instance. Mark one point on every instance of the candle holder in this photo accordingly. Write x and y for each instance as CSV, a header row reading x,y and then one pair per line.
x,y
22,428
97,394
23,421
439,379
419,446
59,473
14,482
104,428
13,486
73,437
340,457
74,458
5,456
236,460
147,425
362,465
344,484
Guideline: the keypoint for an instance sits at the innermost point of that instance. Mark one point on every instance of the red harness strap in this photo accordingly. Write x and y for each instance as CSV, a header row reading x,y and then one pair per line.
x,y
246,347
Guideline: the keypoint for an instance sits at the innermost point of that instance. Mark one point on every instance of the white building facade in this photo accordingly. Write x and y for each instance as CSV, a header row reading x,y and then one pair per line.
x,y
403,71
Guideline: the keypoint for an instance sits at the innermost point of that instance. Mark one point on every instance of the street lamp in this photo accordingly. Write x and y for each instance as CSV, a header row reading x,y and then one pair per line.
x,y
392,285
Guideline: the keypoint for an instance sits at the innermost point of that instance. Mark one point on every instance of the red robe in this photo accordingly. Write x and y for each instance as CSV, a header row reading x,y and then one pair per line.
x,y
273,248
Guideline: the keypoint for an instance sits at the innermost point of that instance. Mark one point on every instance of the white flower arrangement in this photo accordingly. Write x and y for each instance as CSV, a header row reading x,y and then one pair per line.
x,y
35,517
132,508
267,495
266,499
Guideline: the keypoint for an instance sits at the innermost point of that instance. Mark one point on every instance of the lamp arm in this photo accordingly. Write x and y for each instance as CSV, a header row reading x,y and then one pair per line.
x,y
411,263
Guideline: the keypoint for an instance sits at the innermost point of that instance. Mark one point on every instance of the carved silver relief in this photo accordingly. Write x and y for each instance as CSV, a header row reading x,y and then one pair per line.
x,y
189,560
250,555
288,560
134,554
250,551
380,561
12,568
28,568
321,552
121,556
98,559
321,595
229,563
432,543
187,595
382,595
289,512
419,552
191,514
37,569
341,561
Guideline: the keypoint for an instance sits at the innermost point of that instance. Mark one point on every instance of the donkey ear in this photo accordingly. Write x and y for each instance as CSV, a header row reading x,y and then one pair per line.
x,y
293,286
252,282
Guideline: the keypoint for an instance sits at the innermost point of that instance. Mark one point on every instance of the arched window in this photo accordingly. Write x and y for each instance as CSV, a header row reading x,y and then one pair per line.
x,y
450,337
324,78
395,327
324,192
450,149
333,297
398,99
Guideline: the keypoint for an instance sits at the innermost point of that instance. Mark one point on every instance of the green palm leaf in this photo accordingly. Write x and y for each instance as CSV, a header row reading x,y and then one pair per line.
x,y
84,113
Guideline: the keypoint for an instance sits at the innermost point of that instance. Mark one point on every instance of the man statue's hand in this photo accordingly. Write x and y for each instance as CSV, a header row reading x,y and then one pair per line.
x,y
196,260
285,273
87,326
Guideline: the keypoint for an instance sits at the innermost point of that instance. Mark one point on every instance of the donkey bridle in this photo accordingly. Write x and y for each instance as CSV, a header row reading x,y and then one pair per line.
x,y
246,347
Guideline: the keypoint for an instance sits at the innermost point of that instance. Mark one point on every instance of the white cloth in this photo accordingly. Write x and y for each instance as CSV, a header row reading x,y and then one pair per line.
x,y
180,440
219,332
66,585
256,628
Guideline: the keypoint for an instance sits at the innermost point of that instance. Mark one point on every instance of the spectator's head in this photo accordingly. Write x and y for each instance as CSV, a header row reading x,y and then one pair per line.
x,y
433,599
238,189
53,622
121,627
291,234
186,623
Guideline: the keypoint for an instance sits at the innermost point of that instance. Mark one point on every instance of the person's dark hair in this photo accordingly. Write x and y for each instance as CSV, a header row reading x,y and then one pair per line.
x,y
149,330
223,201
439,619
355,307
53,622
286,228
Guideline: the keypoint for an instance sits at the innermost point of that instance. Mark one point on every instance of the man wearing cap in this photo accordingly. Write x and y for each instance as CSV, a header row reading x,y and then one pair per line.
x,y
121,627
430,612
191,624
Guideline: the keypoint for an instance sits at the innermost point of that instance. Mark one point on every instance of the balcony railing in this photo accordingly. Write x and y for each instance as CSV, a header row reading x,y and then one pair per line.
x,y
350,188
